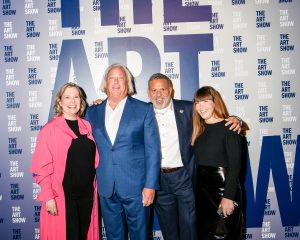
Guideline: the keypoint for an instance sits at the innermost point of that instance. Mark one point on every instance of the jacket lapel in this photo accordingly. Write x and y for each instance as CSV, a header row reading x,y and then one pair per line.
x,y
179,116
61,123
125,119
101,121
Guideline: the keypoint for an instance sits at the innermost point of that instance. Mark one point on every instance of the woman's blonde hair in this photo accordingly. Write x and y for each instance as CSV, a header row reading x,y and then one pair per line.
x,y
82,95
220,110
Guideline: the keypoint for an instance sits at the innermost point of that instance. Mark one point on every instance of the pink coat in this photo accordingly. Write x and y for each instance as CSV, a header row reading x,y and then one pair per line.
x,y
48,166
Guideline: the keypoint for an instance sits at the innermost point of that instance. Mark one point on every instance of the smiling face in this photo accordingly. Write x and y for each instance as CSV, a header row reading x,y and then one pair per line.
x,y
159,93
70,103
116,84
206,109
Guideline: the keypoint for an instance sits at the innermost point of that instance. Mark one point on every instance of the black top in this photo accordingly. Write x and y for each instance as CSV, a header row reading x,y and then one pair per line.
x,y
80,166
218,146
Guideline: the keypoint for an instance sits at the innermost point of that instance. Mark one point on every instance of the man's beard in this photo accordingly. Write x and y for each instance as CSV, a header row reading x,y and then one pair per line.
x,y
165,103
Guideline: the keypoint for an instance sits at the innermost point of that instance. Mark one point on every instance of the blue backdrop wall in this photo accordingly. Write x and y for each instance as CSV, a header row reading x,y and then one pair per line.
x,y
247,49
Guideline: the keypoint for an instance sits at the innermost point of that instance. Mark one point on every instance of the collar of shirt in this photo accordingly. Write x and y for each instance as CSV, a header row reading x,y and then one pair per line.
x,y
113,118
121,104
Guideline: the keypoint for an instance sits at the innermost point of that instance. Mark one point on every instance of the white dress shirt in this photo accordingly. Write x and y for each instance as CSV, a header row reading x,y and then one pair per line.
x,y
170,150
113,118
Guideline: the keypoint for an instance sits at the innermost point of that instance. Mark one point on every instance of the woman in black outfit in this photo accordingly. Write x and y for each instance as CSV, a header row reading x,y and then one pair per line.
x,y
218,153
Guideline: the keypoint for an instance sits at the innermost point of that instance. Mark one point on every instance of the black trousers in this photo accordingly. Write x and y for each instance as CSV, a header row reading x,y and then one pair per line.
x,y
175,206
78,216
209,192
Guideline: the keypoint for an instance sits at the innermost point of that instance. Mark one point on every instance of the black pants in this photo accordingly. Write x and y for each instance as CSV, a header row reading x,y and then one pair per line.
x,y
78,216
175,206
209,192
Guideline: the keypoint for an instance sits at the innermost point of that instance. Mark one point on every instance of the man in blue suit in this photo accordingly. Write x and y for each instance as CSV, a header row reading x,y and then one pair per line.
x,y
127,137
175,201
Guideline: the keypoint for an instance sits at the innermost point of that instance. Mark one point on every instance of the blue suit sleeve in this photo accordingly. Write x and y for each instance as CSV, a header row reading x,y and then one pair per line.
x,y
152,150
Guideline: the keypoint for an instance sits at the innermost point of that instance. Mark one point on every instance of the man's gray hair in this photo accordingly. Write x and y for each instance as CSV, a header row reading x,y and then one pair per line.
x,y
159,76
129,78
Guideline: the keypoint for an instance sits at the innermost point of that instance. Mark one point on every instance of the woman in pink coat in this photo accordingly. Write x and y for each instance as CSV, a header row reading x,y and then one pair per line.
x,y
64,165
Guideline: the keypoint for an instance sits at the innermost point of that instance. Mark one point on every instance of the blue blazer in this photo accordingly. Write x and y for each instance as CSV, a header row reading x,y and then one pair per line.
x,y
183,115
133,161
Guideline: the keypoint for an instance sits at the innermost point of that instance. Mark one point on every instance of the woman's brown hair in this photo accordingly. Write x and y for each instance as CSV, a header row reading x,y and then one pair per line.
x,y
220,110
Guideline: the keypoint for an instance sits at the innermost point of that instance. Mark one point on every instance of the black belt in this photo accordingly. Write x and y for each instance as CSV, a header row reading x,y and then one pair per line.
x,y
169,170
